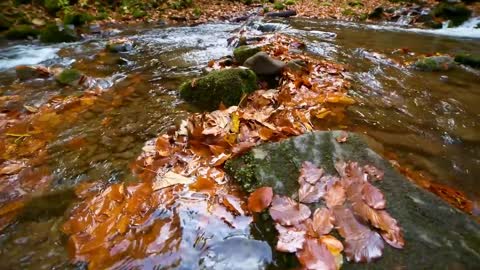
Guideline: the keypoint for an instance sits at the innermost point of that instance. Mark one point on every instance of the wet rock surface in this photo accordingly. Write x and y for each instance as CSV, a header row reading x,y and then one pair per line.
x,y
262,64
435,63
437,236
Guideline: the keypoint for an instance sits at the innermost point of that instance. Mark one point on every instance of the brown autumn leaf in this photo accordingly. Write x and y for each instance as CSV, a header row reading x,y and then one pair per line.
x,y
162,146
260,199
11,167
335,195
289,239
308,193
361,243
316,256
287,212
333,244
203,184
309,173
170,179
322,221
233,203
373,196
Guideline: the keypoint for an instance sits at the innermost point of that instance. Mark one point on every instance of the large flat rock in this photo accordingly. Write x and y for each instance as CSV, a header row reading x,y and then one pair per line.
x,y
437,235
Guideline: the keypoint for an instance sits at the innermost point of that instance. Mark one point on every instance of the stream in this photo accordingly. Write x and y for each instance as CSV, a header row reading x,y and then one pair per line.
x,y
428,120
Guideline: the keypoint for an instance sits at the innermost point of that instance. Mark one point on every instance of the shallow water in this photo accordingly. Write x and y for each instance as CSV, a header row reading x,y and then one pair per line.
x,y
428,120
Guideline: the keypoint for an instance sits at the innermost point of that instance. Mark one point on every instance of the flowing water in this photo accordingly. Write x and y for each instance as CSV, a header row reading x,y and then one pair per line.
x,y
428,120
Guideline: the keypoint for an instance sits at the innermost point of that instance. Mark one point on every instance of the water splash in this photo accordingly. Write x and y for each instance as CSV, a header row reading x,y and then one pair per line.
x,y
26,55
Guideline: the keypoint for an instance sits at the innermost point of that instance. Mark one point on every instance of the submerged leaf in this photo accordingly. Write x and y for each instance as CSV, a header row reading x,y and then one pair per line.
x,y
170,179
260,199
289,239
287,212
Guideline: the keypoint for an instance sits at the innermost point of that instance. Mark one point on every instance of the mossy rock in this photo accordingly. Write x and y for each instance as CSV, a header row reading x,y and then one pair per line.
x,y
69,77
21,32
139,13
53,34
434,63
77,18
52,6
5,22
456,13
242,53
278,6
468,60
437,236
377,13
226,86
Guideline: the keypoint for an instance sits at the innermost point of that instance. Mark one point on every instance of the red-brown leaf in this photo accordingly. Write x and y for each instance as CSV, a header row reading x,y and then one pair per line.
x,y
335,195
361,244
289,239
316,256
310,193
373,196
322,221
374,172
260,199
287,212
309,173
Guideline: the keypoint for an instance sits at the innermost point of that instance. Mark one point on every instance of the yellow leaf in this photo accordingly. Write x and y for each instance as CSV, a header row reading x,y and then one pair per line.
x,y
235,127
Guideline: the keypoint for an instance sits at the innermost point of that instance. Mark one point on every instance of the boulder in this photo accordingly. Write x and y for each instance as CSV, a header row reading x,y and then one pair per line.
x,y
377,13
262,64
456,13
437,236
242,53
226,86
281,14
468,60
434,63
71,77
21,32
32,72
55,34
77,18
119,45
296,65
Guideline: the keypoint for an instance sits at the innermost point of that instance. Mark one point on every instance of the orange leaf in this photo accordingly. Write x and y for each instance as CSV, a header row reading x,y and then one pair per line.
x,y
260,199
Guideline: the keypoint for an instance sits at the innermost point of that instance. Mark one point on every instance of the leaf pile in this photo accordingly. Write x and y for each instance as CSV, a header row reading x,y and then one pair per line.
x,y
354,207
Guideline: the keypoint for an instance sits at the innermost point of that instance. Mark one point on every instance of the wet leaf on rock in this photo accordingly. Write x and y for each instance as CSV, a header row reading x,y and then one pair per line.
x,y
316,256
309,173
260,199
373,196
335,195
289,239
287,212
322,221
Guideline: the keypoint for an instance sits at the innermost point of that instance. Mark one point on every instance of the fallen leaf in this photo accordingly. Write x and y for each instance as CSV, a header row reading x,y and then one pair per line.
x,y
287,212
374,172
308,193
260,199
335,195
289,239
309,173
373,196
170,179
322,221
316,256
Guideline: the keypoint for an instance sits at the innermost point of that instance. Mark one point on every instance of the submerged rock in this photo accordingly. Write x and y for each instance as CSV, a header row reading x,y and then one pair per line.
x,y
468,60
21,32
434,63
225,86
237,253
242,53
32,72
55,34
437,236
262,64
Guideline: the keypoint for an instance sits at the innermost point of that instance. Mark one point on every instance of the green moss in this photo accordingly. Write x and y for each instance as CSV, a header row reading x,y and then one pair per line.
x,y
243,171
348,12
197,12
68,76
278,6
52,34
242,53
181,4
456,13
227,86
21,32
289,2
468,60
355,3
77,18
53,6
139,13
426,64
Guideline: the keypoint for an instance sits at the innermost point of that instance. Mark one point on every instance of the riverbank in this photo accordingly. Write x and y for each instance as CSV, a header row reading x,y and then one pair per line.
x,y
23,19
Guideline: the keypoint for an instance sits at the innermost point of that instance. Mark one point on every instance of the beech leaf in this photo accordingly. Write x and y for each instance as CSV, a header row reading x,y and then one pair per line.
x,y
373,196
289,239
260,199
309,173
287,212
322,221
316,256
335,195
